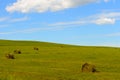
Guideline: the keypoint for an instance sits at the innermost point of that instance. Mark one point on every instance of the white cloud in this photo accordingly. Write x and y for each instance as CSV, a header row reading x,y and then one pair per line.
x,y
111,14
98,19
106,18
102,21
26,6
68,23
8,19
106,0
3,19
31,30
19,19
113,35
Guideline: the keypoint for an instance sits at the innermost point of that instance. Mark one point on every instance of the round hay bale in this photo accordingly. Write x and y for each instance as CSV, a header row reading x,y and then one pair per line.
x,y
35,48
17,51
10,56
88,68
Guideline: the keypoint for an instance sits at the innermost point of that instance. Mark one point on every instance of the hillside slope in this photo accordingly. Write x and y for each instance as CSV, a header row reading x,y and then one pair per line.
x,y
25,43
57,61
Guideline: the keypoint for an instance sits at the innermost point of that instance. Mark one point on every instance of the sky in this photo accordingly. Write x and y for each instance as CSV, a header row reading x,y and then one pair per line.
x,y
78,22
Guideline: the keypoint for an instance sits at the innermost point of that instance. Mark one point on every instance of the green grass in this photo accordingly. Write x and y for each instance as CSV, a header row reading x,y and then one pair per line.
x,y
57,61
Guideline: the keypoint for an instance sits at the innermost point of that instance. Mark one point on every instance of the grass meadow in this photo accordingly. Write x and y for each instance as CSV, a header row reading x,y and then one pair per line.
x,y
57,61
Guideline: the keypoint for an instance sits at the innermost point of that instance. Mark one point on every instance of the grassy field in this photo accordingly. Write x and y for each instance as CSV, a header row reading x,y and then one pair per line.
x,y
57,61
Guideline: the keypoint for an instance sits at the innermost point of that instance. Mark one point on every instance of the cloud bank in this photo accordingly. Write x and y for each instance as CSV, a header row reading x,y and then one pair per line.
x,y
26,6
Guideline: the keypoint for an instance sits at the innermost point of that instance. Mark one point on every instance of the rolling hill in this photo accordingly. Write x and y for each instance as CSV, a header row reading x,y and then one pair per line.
x,y
57,61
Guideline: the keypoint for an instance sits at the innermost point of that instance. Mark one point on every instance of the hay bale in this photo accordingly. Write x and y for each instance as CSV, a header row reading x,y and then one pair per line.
x,y
88,68
35,48
10,56
17,51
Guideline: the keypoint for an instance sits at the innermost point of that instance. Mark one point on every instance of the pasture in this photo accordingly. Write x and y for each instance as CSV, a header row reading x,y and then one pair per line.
x,y
57,61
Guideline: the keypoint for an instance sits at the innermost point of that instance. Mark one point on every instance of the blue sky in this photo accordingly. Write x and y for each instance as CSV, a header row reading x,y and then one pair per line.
x,y
79,22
